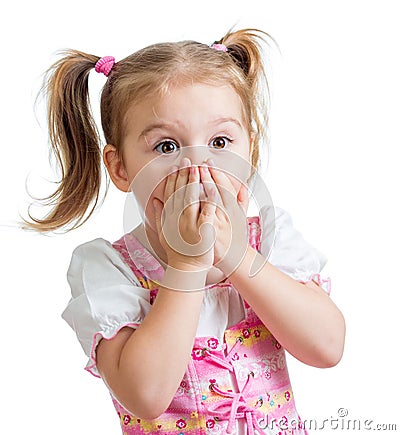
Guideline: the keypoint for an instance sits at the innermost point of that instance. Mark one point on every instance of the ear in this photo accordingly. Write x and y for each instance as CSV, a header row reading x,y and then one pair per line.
x,y
116,168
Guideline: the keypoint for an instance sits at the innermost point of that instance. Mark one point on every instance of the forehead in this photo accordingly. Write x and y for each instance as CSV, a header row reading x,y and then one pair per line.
x,y
201,102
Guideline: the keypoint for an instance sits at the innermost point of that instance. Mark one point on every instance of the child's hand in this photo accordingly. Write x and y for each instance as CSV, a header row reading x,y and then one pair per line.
x,y
185,229
230,220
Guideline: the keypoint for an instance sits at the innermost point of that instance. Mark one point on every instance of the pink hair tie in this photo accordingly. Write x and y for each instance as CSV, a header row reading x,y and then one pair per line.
x,y
220,47
104,65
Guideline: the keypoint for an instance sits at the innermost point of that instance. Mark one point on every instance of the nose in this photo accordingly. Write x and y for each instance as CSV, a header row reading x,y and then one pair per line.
x,y
197,154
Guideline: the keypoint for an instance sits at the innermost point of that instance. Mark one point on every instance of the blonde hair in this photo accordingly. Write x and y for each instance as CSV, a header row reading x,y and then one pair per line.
x,y
75,140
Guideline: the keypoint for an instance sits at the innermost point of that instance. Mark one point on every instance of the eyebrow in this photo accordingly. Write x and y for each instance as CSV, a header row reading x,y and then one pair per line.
x,y
155,126
166,125
223,120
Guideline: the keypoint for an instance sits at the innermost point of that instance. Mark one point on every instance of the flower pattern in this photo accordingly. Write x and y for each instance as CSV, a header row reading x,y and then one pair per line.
x,y
197,354
181,423
246,333
212,343
210,424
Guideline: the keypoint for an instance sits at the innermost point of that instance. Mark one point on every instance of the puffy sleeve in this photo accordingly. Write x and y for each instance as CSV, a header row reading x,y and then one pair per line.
x,y
105,296
286,249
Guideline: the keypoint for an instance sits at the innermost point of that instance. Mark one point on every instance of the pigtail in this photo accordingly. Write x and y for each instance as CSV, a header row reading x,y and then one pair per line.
x,y
74,141
245,47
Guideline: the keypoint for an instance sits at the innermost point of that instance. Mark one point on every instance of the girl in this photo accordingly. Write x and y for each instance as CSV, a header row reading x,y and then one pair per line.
x,y
183,124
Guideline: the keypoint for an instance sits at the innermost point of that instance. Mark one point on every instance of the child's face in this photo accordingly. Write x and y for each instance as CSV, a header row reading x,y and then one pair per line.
x,y
199,122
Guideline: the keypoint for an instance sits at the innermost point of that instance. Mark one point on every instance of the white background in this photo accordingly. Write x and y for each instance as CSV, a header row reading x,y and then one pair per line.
x,y
333,165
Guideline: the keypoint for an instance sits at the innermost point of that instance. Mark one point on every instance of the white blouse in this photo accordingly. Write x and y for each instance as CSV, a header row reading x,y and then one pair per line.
x,y
106,295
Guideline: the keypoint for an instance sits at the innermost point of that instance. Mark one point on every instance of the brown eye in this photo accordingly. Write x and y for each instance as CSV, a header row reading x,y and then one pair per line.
x,y
166,147
220,142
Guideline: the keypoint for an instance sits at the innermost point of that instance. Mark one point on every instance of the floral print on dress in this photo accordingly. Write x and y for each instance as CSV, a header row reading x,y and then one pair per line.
x,y
187,388
210,423
137,256
212,343
198,354
127,419
181,423
246,333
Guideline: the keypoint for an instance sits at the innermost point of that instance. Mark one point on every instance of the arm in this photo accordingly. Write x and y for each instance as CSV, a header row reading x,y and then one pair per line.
x,y
144,368
302,317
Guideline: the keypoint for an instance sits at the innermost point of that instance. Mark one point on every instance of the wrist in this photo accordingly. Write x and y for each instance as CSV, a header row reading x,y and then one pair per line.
x,y
184,277
233,261
184,266
251,263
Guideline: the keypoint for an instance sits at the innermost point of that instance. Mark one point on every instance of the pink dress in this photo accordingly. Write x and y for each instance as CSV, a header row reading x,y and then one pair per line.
x,y
235,383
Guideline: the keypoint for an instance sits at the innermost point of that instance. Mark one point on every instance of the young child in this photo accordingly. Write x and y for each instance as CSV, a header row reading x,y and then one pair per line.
x,y
183,124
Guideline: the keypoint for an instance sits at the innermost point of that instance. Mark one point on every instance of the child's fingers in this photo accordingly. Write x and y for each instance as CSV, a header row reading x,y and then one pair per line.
x,y
208,209
192,195
181,182
210,189
226,189
208,196
170,188
202,196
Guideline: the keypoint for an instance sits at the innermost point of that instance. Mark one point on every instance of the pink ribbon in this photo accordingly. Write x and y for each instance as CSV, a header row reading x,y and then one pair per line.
x,y
234,407
220,47
226,362
104,65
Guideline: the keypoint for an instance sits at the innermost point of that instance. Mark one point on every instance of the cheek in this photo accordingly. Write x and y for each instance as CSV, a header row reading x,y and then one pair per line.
x,y
149,183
